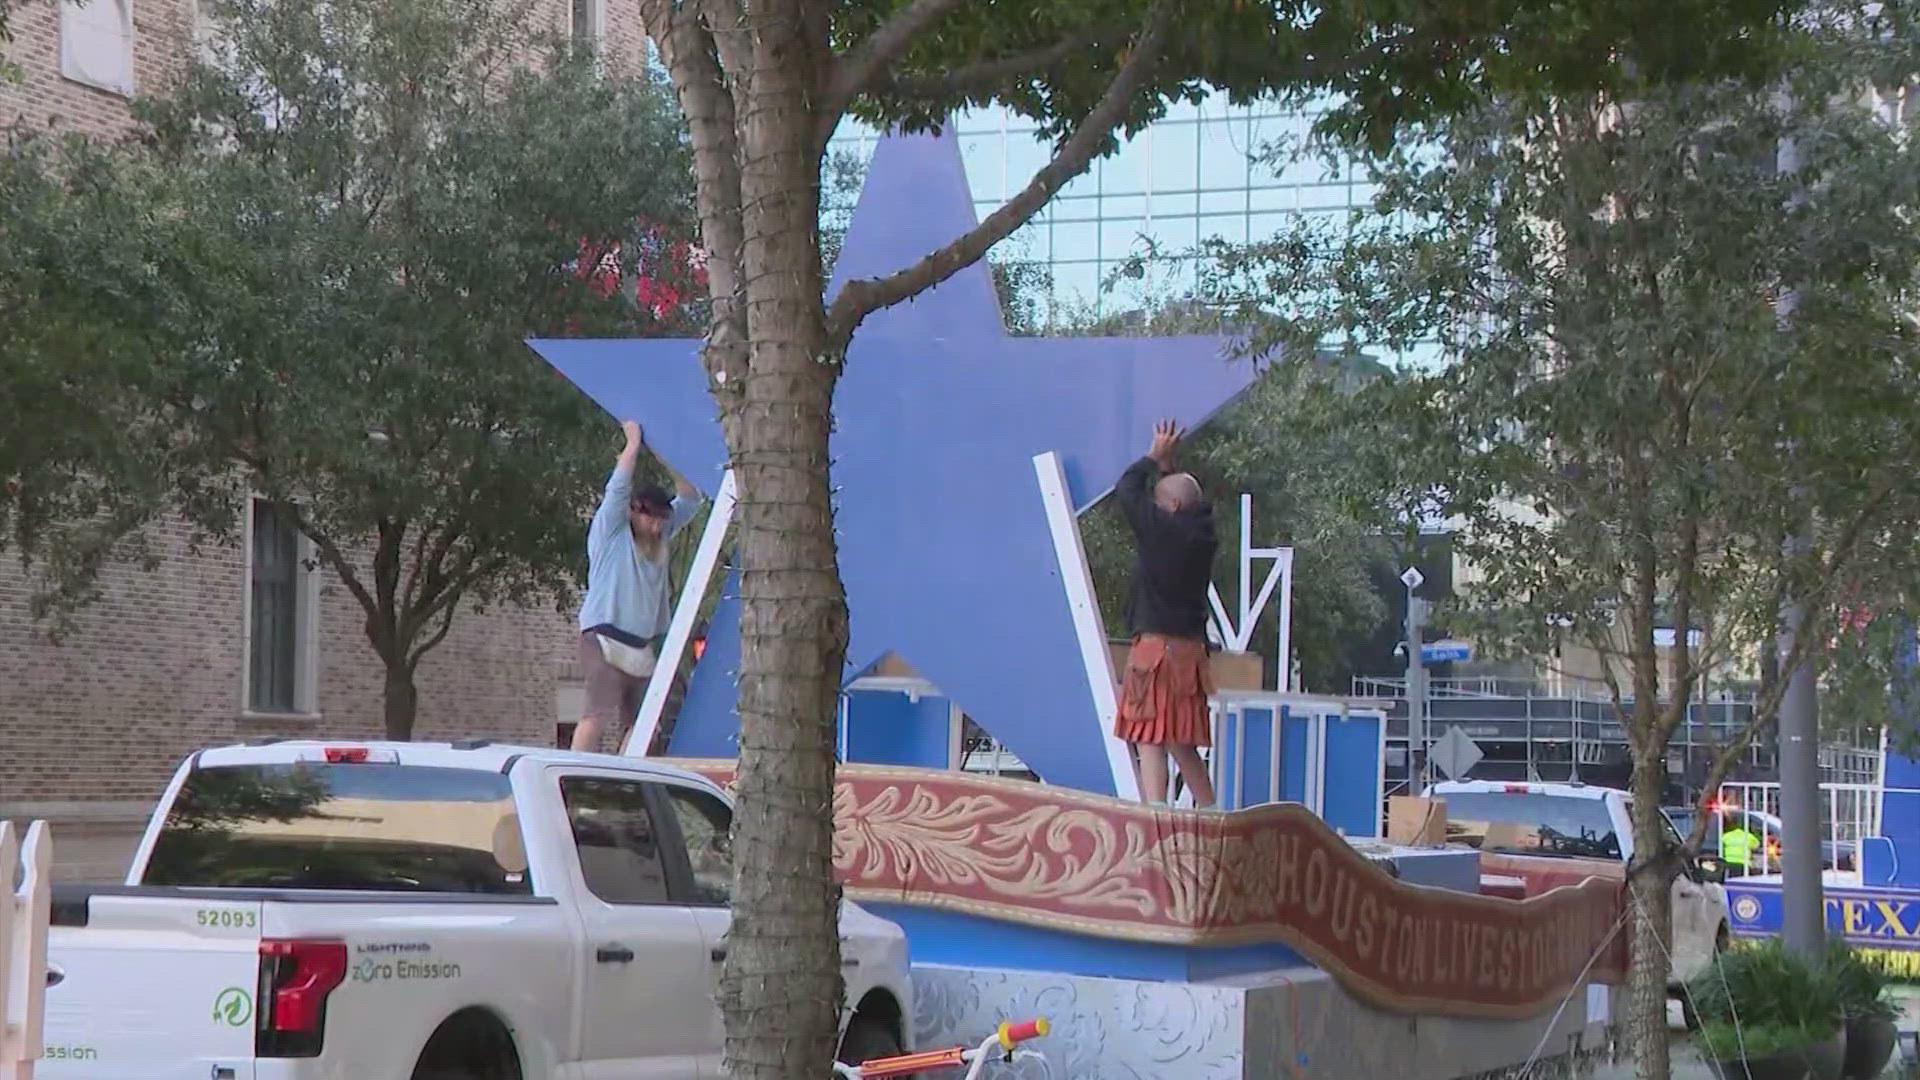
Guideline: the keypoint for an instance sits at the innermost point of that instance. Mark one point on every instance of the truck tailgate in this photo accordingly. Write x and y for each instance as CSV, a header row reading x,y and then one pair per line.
x,y
1544,874
152,988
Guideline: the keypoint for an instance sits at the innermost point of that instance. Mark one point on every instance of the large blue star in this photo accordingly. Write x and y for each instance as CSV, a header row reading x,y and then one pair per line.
x,y
944,543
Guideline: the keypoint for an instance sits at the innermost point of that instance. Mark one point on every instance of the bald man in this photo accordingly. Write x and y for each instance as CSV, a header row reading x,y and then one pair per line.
x,y
1165,689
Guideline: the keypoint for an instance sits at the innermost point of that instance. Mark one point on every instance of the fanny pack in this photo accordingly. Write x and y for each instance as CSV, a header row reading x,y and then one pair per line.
x,y
637,660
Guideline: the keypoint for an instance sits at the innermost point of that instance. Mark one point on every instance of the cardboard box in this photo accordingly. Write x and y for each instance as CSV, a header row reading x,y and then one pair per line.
x,y
1415,821
1231,670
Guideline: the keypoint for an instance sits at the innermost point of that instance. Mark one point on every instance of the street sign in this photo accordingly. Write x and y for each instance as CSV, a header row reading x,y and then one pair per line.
x,y
1411,577
1455,754
1446,652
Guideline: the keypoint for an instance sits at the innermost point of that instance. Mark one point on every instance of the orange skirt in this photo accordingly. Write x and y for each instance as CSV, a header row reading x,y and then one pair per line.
x,y
1163,695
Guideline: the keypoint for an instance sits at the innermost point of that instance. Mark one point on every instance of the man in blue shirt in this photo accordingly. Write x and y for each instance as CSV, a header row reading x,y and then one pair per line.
x,y
629,599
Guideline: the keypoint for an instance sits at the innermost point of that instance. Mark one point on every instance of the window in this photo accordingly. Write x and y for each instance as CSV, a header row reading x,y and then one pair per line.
x,y
589,21
313,825
613,834
1530,823
706,824
96,43
279,664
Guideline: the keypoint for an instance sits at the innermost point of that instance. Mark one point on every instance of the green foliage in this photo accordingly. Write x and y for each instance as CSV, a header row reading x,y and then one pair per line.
x,y
1860,981
1767,986
1723,1040
1627,430
317,272
1389,61
1314,484
84,462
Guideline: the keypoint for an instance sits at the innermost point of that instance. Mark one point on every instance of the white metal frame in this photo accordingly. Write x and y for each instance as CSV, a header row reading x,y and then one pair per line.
x,y
705,558
1077,577
1238,634
23,948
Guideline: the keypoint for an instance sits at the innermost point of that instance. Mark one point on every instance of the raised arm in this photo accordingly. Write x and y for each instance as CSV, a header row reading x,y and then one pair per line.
x,y
686,500
682,487
1135,489
612,514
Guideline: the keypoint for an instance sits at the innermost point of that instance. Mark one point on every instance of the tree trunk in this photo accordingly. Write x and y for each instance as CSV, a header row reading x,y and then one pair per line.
x,y
780,987
401,701
1650,900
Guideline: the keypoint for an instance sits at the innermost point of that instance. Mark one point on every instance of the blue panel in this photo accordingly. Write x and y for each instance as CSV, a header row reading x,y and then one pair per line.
x,y
1350,796
708,725
1879,862
1898,862
937,420
1877,918
946,937
1253,767
887,728
1294,732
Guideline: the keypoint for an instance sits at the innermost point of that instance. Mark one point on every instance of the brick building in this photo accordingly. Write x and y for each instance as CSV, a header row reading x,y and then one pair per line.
x,y
228,643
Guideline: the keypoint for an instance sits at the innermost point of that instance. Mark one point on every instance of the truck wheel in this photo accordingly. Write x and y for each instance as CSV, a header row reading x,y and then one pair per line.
x,y
470,1045
868,1038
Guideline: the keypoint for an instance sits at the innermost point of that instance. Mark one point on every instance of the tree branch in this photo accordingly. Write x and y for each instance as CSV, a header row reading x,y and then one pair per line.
x,y
386,566
983,76
439,634
858,299
691,50
381,636
411,588
867,63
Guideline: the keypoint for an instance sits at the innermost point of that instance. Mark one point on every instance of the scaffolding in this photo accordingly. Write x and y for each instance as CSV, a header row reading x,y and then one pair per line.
x,y
1562,730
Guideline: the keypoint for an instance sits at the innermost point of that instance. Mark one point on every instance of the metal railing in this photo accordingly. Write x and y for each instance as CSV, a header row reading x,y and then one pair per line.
x,y
1850,813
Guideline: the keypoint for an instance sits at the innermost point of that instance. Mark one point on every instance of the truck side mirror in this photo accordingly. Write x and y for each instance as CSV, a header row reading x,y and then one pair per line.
x,y
1709,869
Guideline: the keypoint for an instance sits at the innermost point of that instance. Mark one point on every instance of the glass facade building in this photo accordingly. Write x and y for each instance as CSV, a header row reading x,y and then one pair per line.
x,y
1205,171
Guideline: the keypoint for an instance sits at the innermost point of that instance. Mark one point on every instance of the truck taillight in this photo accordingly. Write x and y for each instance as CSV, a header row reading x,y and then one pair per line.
x,y
296,975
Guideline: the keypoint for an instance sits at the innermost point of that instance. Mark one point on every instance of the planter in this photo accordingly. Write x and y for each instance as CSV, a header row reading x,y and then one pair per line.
x,y
1818,1061
1786,1065
1870,1041
1824,1059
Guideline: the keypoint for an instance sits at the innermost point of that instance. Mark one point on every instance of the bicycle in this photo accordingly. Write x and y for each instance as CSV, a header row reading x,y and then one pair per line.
x,y
1001,1045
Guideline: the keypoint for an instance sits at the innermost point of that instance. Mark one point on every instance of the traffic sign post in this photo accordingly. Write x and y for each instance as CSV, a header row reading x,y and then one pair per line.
x,y
1456,754
1412,578
1446,652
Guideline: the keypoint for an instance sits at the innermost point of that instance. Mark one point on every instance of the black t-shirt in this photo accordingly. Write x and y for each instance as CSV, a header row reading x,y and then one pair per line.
x,y
1175,561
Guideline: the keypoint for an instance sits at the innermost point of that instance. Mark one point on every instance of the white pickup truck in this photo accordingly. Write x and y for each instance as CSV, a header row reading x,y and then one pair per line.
x,y
413,911
1550,834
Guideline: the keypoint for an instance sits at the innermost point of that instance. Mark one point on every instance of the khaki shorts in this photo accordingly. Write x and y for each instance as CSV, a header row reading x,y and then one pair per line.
x,y
613,696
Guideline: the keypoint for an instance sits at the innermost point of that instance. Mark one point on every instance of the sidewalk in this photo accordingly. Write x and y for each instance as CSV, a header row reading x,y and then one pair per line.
x,y
1686,1066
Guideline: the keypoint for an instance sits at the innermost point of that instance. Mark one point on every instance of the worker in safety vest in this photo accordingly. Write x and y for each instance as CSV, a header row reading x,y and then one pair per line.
x,y
1737,844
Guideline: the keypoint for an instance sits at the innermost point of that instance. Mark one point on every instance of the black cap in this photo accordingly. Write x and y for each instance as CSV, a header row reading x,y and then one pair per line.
x,y
652,499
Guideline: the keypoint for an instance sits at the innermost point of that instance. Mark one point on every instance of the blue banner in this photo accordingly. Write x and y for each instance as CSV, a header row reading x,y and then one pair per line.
x,y
1876,918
